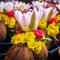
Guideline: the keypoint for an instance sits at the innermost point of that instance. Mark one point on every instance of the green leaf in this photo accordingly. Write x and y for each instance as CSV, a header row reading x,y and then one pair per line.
x,y
49,15
58,24
54,38
32,23
11,30
48,39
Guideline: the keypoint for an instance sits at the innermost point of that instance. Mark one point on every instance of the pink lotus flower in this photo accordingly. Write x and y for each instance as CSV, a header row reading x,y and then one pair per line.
x,y
23,19
39,33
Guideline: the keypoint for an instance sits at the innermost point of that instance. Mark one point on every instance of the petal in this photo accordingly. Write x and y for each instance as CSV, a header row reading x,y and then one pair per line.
x,y
8,6
55,12
38,15
47,12
1,6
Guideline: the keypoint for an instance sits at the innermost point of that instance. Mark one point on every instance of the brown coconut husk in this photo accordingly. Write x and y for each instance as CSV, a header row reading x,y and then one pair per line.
x,y
48,44
42,54
3,31
19,52
16,27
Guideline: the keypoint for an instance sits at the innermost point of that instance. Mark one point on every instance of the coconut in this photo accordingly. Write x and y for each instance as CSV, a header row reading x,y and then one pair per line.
x,y
19,52
43,54
3,31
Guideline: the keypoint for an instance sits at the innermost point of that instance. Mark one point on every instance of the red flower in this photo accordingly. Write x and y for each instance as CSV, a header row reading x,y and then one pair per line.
x,y
19,32
39,33
53,20
10,14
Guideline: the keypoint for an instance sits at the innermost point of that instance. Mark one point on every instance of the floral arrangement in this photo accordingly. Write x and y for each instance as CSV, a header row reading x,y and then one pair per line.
x,y
36,23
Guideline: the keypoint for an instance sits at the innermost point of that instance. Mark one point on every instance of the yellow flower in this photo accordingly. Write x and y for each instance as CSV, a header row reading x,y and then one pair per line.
x,y
1,15
29,36
43,24
52,30
11,22
35,46
20,38
5,19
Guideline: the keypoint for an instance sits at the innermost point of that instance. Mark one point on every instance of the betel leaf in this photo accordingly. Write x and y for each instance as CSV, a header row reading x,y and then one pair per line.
x,y
32,22
58,24
49,15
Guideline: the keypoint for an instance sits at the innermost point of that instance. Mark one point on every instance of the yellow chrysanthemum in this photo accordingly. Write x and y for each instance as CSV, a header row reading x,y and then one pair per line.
x,y
43,24
35,46
4,18
11,22
52,30
29,36
20,38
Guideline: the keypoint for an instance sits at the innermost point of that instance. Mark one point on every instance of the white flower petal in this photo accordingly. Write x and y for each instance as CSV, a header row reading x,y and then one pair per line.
x,y
55,12
38,16
1,6
8,6
47,11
